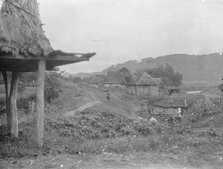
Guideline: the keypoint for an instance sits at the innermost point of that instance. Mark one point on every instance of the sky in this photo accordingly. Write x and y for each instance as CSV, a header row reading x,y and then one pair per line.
x,y
122,30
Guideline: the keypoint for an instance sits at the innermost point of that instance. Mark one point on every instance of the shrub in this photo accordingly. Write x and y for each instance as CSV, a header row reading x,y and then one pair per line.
x,y
52,87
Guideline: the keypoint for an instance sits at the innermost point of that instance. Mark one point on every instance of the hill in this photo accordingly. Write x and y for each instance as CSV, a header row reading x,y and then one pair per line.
x,y
195,68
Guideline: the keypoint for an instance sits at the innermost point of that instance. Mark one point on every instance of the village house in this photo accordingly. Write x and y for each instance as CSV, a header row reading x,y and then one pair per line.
x,y
175,105
170,106
146,85
114,79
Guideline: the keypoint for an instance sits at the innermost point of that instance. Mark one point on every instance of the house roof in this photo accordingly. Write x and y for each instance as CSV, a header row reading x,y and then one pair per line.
x,y
21,29
22,39
171,103
158,80
147,79
114,78
177,101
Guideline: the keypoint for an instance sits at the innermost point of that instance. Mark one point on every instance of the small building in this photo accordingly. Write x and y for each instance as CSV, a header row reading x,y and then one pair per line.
x,y
114,79
146,85
170,106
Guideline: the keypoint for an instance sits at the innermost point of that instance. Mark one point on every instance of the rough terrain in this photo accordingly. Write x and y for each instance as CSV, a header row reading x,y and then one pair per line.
x,y
84,130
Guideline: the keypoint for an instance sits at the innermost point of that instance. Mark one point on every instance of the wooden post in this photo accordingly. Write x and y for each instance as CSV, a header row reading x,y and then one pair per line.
x,y
40,101
32,108
13,105
11,102
7,101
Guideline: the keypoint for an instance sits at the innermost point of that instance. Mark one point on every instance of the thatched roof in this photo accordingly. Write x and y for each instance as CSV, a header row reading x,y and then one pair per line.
x,y
158,80
22,39
21,29
177,101
147,79
171,103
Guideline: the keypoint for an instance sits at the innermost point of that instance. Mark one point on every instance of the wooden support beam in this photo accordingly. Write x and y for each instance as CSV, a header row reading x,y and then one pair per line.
x,y
11,102
7,102
40,101
13,105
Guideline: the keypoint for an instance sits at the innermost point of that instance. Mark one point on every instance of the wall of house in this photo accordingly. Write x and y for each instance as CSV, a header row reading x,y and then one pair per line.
x,y
113,85
154,90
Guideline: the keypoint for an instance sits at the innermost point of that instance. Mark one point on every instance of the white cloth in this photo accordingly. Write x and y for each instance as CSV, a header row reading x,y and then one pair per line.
x,y
153,120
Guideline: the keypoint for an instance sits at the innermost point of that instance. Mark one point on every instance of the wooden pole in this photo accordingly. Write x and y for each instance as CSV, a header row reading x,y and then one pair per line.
x,y
11,102
40,101
7,102
13,105
32,108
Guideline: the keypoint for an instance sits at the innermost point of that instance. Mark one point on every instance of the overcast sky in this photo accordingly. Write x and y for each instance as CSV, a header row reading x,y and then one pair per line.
x,y
121,30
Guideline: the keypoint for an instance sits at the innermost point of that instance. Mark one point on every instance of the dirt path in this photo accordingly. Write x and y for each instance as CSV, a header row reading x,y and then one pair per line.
x,y
116,104
82,108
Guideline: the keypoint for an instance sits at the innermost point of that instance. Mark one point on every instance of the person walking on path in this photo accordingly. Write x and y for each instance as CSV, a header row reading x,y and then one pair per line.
x,y
108,96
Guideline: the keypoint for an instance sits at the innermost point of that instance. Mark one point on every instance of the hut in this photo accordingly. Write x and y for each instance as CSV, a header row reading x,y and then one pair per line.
x,y
169,106
25,48
114,79
146,85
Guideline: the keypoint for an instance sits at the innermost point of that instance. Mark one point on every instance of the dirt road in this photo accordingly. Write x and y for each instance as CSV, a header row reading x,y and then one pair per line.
x,y
116,104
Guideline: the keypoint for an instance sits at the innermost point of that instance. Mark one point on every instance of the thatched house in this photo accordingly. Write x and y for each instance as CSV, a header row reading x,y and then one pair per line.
x,y
169,106
25,48
114,79
146,85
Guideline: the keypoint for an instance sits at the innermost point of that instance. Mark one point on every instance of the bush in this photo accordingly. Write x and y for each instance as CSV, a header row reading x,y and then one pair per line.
x,y
52,87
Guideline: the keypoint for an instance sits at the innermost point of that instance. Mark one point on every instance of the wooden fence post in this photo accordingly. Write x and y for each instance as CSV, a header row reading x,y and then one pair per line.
x,y
40,101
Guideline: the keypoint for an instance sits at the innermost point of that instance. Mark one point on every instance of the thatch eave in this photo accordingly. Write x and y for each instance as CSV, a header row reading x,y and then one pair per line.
x,y
29,63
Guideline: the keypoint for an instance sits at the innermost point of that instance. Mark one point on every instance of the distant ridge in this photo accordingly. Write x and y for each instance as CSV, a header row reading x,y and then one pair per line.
x,y
195,68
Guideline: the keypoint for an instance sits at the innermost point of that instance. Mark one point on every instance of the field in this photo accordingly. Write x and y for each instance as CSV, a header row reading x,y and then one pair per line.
x,y
85,130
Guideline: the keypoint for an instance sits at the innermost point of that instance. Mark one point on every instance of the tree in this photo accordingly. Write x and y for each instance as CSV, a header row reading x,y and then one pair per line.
x,y
167,75
126,75
138,74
